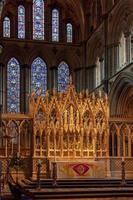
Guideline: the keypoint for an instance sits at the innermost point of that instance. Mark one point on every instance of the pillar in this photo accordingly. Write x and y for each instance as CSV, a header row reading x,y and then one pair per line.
x,y
109,61
24,88
102,73
113,59
106,67
1,83
29,22
53,83
118,143
128,47
79,72
48,23
13,28
129,143
90,77
116,58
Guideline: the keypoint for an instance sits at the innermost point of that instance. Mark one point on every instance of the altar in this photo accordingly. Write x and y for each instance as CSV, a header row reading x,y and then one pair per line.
x,y
78,169
71,130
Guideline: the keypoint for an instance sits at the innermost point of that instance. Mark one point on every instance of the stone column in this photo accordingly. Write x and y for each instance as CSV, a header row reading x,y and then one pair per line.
x,y
116,58
48,23
113,59
29,21
106,68
53,79
102,71
79,78
24,88
118,143
129,143
90,77
1,83
128,47
109,61
13,27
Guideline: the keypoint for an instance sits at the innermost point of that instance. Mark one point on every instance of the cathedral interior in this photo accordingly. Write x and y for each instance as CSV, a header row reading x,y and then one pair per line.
x,y
66,87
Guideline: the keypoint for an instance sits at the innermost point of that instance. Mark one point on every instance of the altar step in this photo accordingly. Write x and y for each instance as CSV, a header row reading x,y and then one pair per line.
x,y
70,194
76,183
75,189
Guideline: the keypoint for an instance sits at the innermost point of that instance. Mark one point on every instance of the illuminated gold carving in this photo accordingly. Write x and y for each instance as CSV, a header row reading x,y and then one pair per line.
x,y
70,125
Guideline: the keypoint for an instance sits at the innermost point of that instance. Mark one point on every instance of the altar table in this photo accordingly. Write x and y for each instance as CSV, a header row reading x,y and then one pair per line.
x,y
72,169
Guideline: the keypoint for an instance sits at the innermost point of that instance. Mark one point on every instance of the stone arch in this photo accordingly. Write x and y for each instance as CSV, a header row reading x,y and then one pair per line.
x,y
70,58
121,95
13,51
95,48
121,20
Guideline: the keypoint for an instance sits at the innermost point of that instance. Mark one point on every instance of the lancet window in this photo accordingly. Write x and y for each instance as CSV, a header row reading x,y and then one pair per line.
x,y
38,19
39,76
55,25
6,27
13,86
21,22
69,32
63,76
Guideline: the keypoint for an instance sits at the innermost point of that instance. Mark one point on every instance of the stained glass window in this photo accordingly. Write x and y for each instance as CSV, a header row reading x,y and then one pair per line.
x,y
21,22
69,32
38,19
63,76
13,86
39,76
6,27
55,25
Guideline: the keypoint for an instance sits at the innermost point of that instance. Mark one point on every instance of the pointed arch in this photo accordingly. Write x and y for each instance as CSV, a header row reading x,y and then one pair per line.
x,y
6,27
38,19
13,86
21,22
124,140
55,25
119,95
25,135
39,75
63,76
